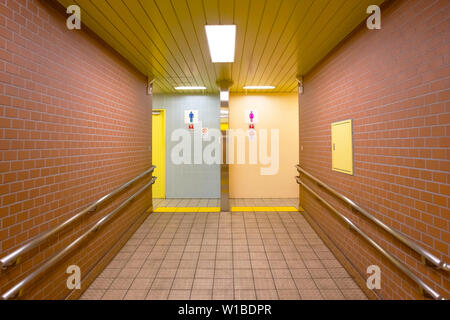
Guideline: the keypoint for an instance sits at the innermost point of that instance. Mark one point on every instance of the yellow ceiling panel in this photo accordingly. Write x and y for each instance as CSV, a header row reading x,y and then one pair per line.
x,y
201,56
286,23
276,39
268,20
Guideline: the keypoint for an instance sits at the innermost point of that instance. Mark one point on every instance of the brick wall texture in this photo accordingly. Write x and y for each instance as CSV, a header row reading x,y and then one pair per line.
x,y
394,83
75,123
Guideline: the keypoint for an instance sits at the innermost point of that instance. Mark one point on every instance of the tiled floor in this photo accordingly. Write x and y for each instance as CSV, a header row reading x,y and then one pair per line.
x,y
216,202
224,256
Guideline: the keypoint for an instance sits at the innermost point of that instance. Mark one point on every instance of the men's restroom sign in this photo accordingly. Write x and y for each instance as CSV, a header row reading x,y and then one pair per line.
x,y
191,118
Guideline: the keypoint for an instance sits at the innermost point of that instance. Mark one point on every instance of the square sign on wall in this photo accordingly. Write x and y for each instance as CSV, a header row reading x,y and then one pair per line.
x,y
190,116
251,116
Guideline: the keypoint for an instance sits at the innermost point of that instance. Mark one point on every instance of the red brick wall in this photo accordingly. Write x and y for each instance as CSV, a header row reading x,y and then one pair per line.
x,y
75,123
394,84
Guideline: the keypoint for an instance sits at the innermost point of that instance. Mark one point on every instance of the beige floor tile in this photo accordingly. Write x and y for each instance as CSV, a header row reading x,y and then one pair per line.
x,y
188,264
288,294
244,283
135,263
135,295
93,294
313,264
121,284
222,273
166,273
110,273
224,264
295,264
241,256
256,249
244,294
141,284
262,273
354,294
185,273
201,294
162,284
147,273
303,284
346,283
295,256
332,294
223,294
182,283
204,273
224,255
170,264
260,264
285,284
325,283
174,255
255,256
221,283
114,294
281,273
207,255
179,294
243,273
117,264
310,294
241,264
101,283
157,294
206,264
318,273
337,273
202,283
300,274
128,273
267,294
264,284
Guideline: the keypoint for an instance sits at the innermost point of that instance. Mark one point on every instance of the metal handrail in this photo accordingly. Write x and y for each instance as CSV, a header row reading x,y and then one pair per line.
x,y
14,257
426,256
18,289
422,285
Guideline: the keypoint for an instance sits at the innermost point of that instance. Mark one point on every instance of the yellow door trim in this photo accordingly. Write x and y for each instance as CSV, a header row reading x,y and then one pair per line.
x,y
159,153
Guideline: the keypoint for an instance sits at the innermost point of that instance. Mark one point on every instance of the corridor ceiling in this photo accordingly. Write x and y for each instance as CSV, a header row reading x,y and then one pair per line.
x,y
276,39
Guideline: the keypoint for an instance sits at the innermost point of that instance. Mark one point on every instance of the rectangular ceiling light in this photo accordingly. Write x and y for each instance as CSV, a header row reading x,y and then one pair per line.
x,y
259,87
221,42
189,88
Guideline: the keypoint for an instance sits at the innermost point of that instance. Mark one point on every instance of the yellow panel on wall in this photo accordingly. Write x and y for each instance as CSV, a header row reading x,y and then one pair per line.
x,y
342,146
158,153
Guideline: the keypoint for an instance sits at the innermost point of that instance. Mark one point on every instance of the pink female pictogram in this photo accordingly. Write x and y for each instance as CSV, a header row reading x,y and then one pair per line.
x,y
252,116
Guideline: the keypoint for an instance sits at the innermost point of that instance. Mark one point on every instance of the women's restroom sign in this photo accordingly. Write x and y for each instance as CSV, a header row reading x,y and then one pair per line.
x,y
251,118
191,118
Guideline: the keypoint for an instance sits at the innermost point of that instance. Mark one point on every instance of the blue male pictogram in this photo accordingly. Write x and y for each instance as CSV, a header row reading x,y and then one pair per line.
x,y
191,117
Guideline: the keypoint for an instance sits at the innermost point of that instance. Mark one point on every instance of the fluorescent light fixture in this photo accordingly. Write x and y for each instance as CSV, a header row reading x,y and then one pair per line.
x,y
224,96
259,87
189,88
221,42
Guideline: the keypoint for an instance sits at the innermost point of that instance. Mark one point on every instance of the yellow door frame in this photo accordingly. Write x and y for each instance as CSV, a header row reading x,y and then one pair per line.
x,y
159,155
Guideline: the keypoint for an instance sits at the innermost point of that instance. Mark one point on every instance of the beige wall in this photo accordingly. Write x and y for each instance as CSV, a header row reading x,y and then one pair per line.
x,y
275,112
